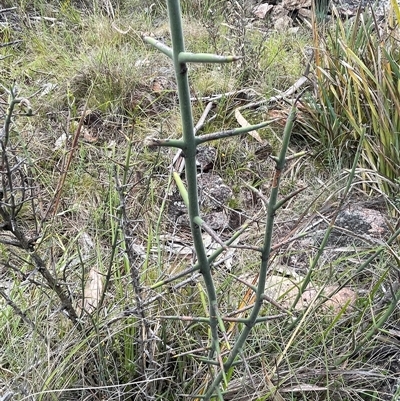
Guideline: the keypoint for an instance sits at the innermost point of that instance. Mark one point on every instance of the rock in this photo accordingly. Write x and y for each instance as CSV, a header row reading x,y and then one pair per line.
x,y
205,158
217,220
279,12
296,4
213,194
357,227
362,220
305,13
284,290
283,23
262,10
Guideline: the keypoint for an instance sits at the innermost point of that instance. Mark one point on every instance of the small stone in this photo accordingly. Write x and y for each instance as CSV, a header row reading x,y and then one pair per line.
x,y
261,10
215,194
283,23
205,158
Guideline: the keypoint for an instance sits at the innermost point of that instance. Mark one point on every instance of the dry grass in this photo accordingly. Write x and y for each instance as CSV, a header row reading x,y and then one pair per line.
x,y
121,352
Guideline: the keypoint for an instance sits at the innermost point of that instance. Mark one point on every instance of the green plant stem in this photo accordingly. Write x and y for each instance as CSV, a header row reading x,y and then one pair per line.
x,y
178,143
171,143
181,73
324,242
211,258
186,57
251,321
188,144
232,132
159,46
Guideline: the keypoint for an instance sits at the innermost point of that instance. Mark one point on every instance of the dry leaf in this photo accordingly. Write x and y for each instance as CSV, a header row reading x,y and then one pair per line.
x,y
121,31
60,142
302,387
243,122
88,135
92,292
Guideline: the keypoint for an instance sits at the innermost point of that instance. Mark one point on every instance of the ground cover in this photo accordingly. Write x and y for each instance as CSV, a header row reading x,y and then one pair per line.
x,y
94,233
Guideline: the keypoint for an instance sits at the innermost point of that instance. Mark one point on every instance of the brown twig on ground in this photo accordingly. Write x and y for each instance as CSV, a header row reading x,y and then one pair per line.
x,y
53,207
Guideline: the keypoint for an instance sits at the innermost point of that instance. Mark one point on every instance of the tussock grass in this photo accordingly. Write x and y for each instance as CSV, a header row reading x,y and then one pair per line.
x,y
356,96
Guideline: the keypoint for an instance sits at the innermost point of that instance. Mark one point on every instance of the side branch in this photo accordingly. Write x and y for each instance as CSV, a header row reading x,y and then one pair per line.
x,y
159,45
170,143
232,132
186,57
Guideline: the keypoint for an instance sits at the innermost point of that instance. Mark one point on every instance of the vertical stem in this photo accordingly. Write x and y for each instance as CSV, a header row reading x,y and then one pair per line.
x,y
280,163
181,73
